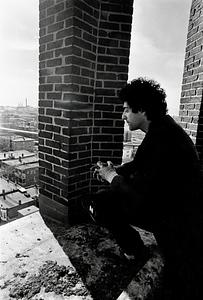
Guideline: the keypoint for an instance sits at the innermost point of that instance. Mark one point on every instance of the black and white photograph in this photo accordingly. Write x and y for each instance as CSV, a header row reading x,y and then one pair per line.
x,y
101,149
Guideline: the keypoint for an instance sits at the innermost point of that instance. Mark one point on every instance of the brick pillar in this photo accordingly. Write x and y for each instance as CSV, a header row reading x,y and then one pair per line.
x,y
192,87
84,55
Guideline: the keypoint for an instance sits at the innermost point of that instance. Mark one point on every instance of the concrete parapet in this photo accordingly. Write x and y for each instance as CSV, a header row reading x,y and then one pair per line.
x,y
37,253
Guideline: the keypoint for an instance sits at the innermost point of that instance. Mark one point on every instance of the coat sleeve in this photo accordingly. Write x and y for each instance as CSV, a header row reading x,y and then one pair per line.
x,y
144,181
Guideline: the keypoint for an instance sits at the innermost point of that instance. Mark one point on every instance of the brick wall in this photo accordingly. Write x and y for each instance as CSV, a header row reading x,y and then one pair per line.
x,y
192,85
84,55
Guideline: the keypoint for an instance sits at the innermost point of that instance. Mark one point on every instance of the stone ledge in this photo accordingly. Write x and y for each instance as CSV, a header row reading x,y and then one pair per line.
x,y
33,265
102,266
30,246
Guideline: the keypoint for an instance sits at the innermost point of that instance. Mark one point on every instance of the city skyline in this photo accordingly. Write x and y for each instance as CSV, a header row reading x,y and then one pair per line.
x,y
158,42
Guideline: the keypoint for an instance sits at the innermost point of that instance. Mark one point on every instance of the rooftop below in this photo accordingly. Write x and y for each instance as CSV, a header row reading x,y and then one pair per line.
x,y
12,199
15,154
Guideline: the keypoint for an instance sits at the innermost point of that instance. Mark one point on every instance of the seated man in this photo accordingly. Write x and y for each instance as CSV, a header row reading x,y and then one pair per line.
x,y
157,191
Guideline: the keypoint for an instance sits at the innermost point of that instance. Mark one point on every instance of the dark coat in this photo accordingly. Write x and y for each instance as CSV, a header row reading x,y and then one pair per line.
x,y
161,185
160,191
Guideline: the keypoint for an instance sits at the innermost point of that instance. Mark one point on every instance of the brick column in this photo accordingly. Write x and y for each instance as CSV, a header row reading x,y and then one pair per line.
x,y
192,87
84,55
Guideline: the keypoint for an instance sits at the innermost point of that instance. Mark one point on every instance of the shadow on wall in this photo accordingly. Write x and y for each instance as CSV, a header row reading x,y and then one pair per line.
x,y
199,138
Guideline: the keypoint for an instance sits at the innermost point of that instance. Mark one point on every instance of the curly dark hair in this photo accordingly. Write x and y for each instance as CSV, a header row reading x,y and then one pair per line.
x,y
145,95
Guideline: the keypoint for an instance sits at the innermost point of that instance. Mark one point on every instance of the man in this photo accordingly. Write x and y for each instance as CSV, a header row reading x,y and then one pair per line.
x,y
157,191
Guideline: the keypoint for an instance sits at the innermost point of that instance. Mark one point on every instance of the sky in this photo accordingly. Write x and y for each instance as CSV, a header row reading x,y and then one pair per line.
x,y
19,31
158,43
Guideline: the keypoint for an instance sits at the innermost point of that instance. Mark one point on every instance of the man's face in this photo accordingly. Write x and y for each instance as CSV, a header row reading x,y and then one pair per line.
x,y
134,120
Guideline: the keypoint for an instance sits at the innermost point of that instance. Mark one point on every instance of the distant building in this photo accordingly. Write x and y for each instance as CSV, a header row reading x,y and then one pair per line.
x,y
14,198
127,152
137,136
23,170
33,191
7,186
127,135
22,117
7,155
22,143
14,143
13,160
131,141
27,174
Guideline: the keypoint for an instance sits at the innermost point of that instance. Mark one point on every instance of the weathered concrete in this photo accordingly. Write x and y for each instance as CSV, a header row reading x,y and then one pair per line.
x,y
26,245
49,261
102,266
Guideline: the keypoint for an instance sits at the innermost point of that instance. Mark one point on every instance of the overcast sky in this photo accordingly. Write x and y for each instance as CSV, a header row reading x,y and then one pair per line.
x,y
19,52
157,47
158,44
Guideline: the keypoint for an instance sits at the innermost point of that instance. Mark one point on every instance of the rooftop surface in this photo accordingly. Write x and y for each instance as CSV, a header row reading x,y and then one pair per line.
x,y
12,199
7,186
25,160
16,154
33,191
10,186
28,166
41,260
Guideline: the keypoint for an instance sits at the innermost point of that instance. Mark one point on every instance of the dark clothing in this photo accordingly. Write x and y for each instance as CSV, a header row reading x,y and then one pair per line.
x,y
162,182
160,191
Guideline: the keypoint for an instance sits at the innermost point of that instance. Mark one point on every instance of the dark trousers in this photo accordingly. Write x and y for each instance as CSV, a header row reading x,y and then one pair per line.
x,y
182,276
110,210
183,261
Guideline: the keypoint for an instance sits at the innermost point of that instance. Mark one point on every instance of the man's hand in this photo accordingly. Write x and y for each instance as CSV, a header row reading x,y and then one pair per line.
x,y
105,171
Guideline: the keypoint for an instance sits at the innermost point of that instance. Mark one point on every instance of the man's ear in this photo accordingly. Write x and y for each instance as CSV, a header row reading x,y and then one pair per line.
x,y
146,116
142,112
